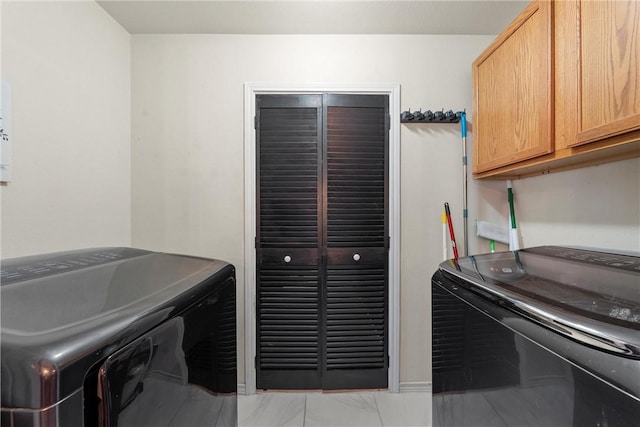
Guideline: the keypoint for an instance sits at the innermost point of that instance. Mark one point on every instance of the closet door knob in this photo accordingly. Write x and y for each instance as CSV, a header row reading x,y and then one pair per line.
x,y
287,258
356,257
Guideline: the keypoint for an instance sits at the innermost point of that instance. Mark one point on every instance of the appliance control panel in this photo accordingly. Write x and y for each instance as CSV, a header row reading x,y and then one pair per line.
x,y
37,267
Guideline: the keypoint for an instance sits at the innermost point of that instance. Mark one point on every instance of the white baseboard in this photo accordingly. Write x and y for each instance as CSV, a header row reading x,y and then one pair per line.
x,y
408,387
420,387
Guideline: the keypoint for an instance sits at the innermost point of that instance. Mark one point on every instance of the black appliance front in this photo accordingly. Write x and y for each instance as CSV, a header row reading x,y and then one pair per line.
x,y
182,373
540,337
118,337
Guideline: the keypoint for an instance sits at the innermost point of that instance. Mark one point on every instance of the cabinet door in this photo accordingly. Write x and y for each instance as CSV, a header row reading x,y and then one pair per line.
x,y
608,69
513,92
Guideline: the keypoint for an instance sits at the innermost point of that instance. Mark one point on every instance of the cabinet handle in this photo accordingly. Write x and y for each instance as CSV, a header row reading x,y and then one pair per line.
x,y
287,258
356,257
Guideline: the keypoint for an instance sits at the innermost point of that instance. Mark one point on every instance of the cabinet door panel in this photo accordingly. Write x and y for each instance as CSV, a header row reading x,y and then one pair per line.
x,y
609,69
513,102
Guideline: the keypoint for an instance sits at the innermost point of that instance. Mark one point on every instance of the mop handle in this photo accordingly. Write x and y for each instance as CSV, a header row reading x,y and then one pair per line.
x,y
451,233
514,245
512,212
465,212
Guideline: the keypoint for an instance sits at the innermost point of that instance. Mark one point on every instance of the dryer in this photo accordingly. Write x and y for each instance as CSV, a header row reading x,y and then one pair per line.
x,y
118,337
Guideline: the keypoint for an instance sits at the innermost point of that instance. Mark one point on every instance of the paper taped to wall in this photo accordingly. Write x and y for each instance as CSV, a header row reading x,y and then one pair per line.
x,y
491,231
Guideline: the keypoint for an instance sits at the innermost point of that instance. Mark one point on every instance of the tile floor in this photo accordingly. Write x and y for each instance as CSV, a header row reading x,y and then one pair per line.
x,y
339,409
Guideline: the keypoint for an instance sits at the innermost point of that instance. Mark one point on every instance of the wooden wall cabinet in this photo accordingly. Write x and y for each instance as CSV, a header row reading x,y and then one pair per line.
x,y
513,99
608,69
558,89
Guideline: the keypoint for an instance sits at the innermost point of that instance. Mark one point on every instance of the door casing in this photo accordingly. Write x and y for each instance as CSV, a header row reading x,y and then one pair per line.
x,y
250,92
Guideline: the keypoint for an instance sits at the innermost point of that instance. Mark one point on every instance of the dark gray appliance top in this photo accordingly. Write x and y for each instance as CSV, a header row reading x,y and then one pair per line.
x,y
62,313
589,295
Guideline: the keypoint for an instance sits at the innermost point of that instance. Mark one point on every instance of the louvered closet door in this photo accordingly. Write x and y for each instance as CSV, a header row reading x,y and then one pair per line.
x,y
288,241
321,245
356,241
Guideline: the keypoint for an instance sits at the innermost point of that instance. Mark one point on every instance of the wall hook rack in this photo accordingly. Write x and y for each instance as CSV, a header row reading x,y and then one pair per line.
x,y
431,116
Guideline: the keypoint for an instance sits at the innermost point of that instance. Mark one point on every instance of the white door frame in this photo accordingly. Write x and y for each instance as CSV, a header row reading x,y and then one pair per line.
x,y
250,92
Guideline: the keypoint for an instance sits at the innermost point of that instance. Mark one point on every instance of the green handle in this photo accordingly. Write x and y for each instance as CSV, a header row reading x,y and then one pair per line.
x,y
511,209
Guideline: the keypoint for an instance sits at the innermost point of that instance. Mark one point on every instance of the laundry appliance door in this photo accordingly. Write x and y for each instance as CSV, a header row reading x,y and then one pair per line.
x,y
181,373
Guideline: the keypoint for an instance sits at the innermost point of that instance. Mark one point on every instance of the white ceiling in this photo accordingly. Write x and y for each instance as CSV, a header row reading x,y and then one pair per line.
x,y
314,16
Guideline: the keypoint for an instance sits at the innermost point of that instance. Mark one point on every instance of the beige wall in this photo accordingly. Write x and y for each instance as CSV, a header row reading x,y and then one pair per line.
x,y
598,206
187,143
68,66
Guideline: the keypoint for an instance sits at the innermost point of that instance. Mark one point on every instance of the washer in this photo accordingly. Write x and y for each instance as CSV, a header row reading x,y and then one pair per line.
x,y
545,336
